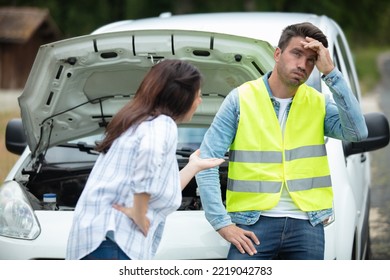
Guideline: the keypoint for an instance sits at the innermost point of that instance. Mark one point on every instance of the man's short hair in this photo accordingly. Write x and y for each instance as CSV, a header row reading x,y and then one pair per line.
x,y
304,29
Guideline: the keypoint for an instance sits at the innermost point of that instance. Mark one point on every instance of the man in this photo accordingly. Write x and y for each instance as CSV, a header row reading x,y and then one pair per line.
x,y
279,192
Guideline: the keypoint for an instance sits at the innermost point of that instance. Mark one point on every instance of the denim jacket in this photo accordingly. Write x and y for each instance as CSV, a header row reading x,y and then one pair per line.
x,y
343,120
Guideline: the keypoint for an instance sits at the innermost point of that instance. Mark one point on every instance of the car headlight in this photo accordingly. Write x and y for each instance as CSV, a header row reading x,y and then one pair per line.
x,y
17,218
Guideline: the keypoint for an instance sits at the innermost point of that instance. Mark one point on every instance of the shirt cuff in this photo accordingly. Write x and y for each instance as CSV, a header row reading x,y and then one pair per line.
x,y
332,77
219,223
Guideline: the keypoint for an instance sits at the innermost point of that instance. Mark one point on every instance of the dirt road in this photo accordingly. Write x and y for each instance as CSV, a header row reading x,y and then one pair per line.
x,y
379,100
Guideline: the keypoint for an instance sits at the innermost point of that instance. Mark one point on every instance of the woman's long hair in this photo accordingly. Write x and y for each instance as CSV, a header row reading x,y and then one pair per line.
x,y
170,88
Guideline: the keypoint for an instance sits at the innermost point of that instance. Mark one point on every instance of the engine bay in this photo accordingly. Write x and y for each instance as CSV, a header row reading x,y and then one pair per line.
x,y
68,184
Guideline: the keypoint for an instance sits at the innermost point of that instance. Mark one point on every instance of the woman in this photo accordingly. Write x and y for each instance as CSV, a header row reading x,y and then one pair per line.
x,y
136,182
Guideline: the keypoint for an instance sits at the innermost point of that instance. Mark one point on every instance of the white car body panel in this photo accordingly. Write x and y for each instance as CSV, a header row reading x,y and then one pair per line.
x,y
60,117
187,235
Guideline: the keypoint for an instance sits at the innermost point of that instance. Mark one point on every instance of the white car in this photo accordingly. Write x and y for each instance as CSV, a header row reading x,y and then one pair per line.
x,y
77,85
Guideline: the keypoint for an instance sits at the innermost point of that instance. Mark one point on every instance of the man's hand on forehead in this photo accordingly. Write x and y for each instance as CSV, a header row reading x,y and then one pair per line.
x,y
313,44
324,62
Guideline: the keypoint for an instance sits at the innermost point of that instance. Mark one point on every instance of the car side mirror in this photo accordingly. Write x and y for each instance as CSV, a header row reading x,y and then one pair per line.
x,y
378,135
15,139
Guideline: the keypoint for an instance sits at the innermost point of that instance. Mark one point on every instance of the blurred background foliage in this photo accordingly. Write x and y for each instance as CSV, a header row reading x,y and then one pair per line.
x,y
365,22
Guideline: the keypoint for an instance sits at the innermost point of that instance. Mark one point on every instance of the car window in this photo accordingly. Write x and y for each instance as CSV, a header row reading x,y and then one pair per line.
x,y
72,155
336,59
315,79
79,152
89,140
340,54
190,137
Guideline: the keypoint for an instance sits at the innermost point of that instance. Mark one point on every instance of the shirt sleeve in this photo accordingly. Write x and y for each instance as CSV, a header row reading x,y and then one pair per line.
x,y
344,119
158,141
216,143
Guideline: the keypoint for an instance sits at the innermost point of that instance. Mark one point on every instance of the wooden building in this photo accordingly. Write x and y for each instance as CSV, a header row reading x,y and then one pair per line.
x,y
22,31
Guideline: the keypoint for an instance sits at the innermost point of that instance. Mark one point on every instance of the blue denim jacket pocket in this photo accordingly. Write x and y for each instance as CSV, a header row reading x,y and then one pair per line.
x,y
245,218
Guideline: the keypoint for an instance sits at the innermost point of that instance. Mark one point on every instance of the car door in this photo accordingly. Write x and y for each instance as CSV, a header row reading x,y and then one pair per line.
x,y
358,165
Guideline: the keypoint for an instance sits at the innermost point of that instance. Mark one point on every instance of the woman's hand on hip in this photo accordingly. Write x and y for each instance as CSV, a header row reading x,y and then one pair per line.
x,y
138,218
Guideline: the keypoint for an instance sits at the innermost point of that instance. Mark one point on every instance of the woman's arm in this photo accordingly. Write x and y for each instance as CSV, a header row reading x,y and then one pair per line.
x,y
196,164
140,207
138,212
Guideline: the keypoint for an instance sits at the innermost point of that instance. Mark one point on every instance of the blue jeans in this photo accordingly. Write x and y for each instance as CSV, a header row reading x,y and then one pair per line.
x,y
107,250
284,238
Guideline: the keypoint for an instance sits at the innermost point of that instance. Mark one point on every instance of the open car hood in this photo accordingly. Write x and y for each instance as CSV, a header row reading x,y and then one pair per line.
x,y
77,85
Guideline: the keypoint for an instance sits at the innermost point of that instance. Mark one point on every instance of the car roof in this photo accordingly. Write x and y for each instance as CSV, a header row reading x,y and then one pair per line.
x,y
261,23
265,26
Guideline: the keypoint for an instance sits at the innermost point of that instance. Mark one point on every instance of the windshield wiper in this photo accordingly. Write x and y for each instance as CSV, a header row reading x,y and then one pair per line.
x,y
82,146
184,152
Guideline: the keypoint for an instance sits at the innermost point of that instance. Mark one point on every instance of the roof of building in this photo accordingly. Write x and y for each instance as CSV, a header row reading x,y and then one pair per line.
x,y
19,24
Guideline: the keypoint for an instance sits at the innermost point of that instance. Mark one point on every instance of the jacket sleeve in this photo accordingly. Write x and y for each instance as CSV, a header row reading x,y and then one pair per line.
x,y
216,143
344,119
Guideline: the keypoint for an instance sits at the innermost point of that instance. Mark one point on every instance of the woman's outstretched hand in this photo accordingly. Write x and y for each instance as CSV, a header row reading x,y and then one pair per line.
x,y
204,163
196,164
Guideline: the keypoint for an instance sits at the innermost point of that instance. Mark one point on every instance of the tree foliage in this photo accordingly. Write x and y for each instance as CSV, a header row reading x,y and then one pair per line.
x,y
365,22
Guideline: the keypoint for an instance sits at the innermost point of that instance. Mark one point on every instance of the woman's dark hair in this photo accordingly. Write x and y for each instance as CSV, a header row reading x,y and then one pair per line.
x,y
170,88
305,29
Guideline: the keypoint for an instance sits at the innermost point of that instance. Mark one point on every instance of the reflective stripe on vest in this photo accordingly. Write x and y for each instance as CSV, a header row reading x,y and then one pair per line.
x,y
261,159
277,157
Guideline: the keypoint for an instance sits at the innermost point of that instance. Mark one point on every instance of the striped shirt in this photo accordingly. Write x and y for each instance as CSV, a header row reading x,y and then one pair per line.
x,y
141,160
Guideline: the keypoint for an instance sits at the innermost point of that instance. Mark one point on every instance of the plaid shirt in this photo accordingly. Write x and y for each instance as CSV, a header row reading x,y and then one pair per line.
x,y
142,159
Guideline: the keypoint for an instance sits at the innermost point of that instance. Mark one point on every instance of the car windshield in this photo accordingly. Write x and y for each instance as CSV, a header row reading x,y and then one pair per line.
x,y
81,151
315,79
190,137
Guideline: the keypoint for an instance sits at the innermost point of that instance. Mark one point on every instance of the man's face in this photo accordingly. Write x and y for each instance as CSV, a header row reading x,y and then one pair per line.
x,y
295,64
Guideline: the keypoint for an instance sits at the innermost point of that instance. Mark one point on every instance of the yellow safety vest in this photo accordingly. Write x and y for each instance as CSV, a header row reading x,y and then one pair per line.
x,y
261,159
